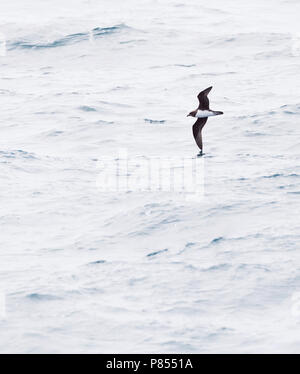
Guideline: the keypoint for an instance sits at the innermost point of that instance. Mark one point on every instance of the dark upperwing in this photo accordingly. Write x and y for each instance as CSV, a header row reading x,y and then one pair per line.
x,y
197,128
203,99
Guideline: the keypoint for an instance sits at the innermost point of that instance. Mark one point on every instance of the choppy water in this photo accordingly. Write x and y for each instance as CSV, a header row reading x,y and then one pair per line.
x,y
93,272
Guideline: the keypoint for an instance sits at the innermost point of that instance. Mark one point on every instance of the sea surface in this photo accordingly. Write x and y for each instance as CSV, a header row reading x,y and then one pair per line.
x,y
84,270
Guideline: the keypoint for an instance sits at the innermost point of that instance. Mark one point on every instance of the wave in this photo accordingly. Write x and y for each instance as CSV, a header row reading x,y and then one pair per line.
x,y
42,297
157,252
97,262
87,108
154,120
273,175
95,33
217,240
16,154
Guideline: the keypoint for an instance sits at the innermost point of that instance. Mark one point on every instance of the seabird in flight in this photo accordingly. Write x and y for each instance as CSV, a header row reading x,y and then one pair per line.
x,y
201,113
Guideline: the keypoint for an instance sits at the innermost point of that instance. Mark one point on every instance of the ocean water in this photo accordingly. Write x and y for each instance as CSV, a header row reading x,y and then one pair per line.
x,y
87,271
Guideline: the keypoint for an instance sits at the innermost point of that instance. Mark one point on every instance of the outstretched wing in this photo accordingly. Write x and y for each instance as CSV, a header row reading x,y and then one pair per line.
x,y
203,99
197,128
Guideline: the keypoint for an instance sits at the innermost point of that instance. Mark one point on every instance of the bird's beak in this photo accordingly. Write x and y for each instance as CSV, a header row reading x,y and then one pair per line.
x,y
188,115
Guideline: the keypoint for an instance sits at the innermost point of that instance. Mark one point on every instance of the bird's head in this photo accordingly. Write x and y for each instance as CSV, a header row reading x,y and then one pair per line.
x,y
191,114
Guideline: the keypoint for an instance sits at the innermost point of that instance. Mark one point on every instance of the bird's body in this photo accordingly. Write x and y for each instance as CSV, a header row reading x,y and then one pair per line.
x,y
205,113
202,113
